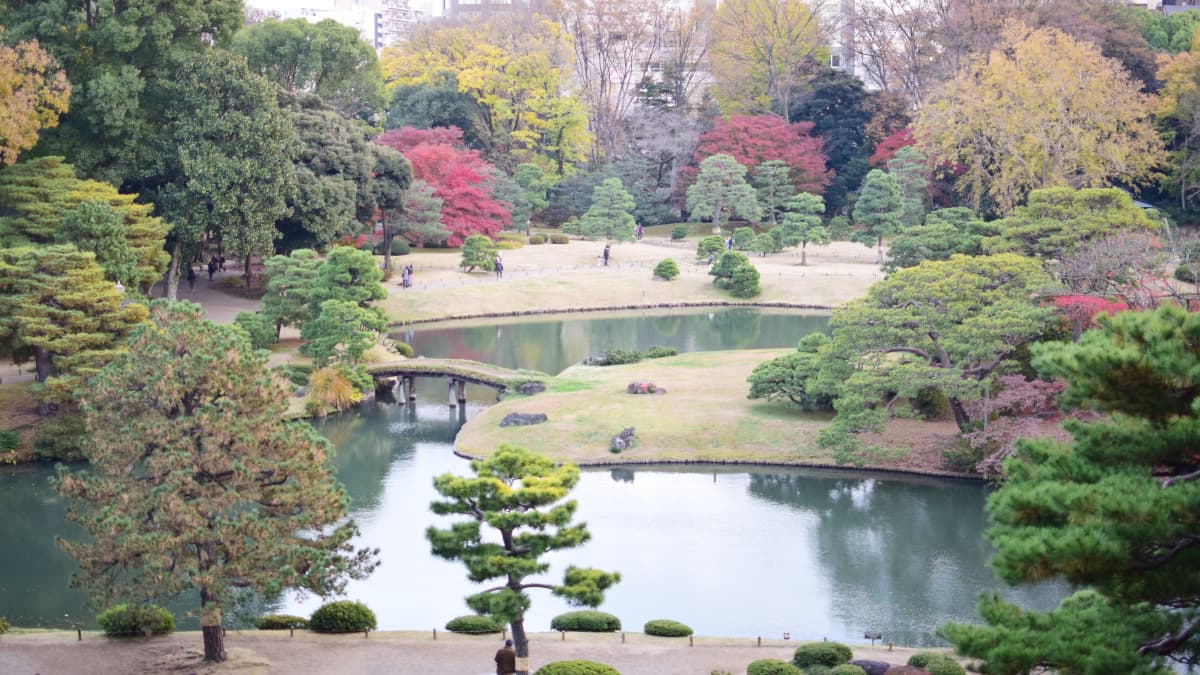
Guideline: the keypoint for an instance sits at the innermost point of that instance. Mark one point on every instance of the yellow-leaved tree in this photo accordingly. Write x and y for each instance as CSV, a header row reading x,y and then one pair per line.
x,y
513,70
762,50
1040,110
33,93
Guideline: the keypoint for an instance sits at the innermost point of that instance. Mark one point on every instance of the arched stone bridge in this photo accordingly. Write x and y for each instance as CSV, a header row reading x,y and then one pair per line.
x,y
459,371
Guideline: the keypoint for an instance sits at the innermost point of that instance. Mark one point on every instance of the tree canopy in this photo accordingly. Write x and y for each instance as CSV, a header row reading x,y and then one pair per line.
x,y
721,191
33,93
195,483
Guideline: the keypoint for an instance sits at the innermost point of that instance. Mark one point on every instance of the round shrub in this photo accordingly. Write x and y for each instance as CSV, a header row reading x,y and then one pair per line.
x,y
280,622
828,654
405,349
772,667
136,620
1184,273
658,352
936,663
557,238
342,616
744,283
667,628
399,247
536,239
586,621
511,236
474,624
666,270
679,232
847,669
712,245
576,668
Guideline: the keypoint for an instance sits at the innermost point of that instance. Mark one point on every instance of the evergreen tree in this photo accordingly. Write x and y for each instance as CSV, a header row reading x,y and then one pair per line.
x,y
96,227
478,251
945,232
611,214
56,303
1116,509
879,207
195,483
347,274
519,495
341,333
774,183
802,223
908,167
421,217
721,191
290,283
389,189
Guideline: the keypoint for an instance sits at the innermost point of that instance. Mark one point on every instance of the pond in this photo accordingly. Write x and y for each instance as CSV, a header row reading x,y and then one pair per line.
x,y
730,551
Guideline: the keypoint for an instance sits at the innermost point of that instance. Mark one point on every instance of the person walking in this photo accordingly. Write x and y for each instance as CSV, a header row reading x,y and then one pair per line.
x,y
729,243
212,269
499,267
191,278
638,231
606,248
506,659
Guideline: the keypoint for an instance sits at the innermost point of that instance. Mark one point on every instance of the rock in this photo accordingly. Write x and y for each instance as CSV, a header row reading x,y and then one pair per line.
x,y
644,388
595,361
523,419
906,670
872,667
301,391
623,440
530,388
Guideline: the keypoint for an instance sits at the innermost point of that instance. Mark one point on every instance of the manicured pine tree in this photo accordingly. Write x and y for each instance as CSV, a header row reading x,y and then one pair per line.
x,y
802,223
879,207
478,251
611,213
519,496
773,181
909,167
341,333
196,484
347,274
392,177
290,283
721,191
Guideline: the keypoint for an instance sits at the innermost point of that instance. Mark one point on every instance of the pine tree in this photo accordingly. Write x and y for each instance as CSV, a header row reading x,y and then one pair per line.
x,y
55,302
421,218
196,484
721,191
290,283
879,207
96,227
909,167
802,223
774,183
478,251
611,213
347,274
342,332
519,495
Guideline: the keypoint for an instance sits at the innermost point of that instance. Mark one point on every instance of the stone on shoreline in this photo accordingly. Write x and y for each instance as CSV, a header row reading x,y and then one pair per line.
x,y
515,419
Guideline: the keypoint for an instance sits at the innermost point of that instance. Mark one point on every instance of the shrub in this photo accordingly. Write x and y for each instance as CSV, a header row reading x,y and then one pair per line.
x,y
586,621
936,663
342,616
679,232
405,349
847,669
280,622
9,440
329,387
772,667
711,245
5,626
474,624
617,357
576,668
828,654
136,620
536,239
667,628
511,236
666,270
1184,273
510,245
727,262
744,282
297,374
230,282
743,238
658,352
60,438
259,328
764,244
399,247
557,238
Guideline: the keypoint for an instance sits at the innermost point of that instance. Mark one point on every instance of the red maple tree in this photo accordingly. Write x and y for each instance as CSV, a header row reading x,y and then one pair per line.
x,y
888,147
754,139
1081,310
459,177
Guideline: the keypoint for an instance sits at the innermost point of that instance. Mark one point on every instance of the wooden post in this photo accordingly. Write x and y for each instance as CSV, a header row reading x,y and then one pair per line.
x,y
462,392
564,635
412,388
760,641
453,398
690,643
622,637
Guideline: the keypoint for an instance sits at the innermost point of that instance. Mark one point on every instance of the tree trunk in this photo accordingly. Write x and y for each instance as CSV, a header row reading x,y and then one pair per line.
x,y
960,413
520,645
171,288
717,216
246,273
879,250
210,625
803,254
44,363
387,243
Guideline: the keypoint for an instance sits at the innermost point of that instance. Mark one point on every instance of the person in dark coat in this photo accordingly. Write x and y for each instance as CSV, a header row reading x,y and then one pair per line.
x,y
506,659
606,255
191,278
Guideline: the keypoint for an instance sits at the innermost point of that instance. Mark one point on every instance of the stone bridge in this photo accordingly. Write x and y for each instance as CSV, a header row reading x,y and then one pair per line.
x,y
459,372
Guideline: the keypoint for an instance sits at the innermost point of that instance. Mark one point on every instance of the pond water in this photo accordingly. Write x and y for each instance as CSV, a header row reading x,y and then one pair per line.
x,y
730,551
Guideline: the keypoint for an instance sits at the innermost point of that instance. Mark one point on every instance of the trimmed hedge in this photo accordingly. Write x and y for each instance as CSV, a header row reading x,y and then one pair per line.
x,y
536,239
509,245
586,621
847,669
474,624
399,247
576,668
658,352
511,236
936,663
667,628
828,654
342,616
772,667
666,270
679,232
9,440
136,620
405,349
280,622
557,238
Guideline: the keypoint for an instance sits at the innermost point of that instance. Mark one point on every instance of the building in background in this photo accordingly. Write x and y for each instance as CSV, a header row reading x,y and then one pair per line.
x,y
475,9
379,22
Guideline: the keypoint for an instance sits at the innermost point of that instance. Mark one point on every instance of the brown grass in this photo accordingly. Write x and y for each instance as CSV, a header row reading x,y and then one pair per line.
x,y
18,411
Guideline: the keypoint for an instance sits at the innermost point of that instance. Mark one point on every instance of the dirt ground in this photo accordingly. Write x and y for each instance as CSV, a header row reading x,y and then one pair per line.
x,y
260,652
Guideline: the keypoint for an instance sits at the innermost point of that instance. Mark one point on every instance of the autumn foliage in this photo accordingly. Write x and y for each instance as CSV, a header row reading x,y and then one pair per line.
x,y
1081,310
459,178
754,139
889,146
33,93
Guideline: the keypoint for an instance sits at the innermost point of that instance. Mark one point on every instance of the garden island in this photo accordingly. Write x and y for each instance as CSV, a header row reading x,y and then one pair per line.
x,y
765,337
